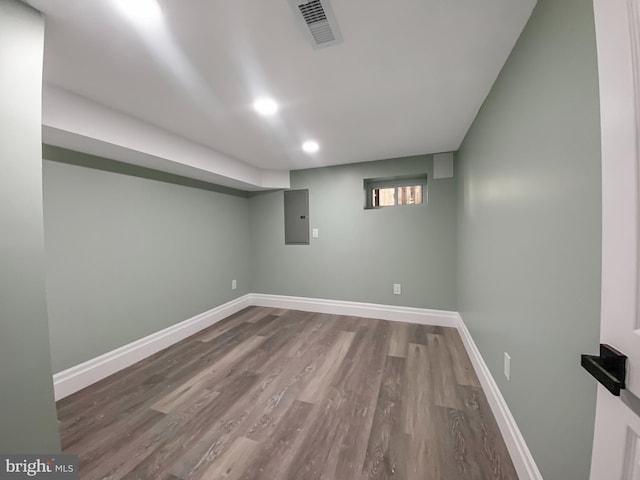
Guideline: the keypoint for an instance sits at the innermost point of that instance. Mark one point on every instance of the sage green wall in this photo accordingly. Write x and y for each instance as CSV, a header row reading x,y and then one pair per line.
x,y
27,410
529,233
128,256
360,254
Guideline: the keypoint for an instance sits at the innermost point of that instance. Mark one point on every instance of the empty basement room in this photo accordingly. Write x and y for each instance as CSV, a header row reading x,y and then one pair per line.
x,y
319,239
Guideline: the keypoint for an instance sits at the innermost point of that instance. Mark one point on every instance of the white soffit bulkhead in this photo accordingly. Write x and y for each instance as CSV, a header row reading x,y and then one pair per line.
x,y
76,123
443,165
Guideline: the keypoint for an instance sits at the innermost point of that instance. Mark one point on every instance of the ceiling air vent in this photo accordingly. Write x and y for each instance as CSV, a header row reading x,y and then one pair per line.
x,y
318,22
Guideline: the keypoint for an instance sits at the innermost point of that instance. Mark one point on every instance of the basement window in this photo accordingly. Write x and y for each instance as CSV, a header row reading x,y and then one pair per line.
x,y
395,191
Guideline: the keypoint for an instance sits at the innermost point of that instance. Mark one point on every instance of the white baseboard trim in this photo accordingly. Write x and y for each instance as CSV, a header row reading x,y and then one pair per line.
x,y
395,313
76,378
520,454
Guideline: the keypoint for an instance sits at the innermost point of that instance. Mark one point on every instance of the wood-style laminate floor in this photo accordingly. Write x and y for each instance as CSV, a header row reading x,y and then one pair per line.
x,y
286,395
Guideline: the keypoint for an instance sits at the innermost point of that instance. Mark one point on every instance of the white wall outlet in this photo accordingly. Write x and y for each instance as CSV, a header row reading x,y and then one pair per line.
x,y
397,289
507,366
234,284
314,233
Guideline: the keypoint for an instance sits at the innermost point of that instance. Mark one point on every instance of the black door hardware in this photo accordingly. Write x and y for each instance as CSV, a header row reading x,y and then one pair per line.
x,y
610,368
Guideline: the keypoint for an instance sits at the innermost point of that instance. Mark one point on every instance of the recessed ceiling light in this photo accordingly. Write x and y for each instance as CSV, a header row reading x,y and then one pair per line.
x,y
310,146
265,106
144,12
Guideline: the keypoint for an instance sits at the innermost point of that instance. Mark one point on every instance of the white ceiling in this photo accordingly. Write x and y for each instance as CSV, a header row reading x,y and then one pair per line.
x,y
408,79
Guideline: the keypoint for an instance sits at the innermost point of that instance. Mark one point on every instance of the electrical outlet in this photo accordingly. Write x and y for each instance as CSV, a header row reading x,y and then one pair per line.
x,y
507,366
314,233
397,289
234,284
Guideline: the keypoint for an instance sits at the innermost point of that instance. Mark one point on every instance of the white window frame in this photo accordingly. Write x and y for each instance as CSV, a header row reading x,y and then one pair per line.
x,y
371,184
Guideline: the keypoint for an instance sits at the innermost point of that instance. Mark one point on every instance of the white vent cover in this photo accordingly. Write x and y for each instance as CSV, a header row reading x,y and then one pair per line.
x,y
317,21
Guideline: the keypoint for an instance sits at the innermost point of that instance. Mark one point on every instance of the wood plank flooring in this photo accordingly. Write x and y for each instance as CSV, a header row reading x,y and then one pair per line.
x,y
286,395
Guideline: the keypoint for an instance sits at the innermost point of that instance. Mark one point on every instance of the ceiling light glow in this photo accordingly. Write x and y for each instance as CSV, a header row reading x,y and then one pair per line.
x,y
310,146
265,106
141,12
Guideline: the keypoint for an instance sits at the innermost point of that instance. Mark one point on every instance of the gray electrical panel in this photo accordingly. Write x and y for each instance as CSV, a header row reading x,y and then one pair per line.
x,y
296,217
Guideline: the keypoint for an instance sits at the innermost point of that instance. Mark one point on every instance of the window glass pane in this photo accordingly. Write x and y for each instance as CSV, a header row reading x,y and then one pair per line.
x,y
391,191
410,195
384,197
